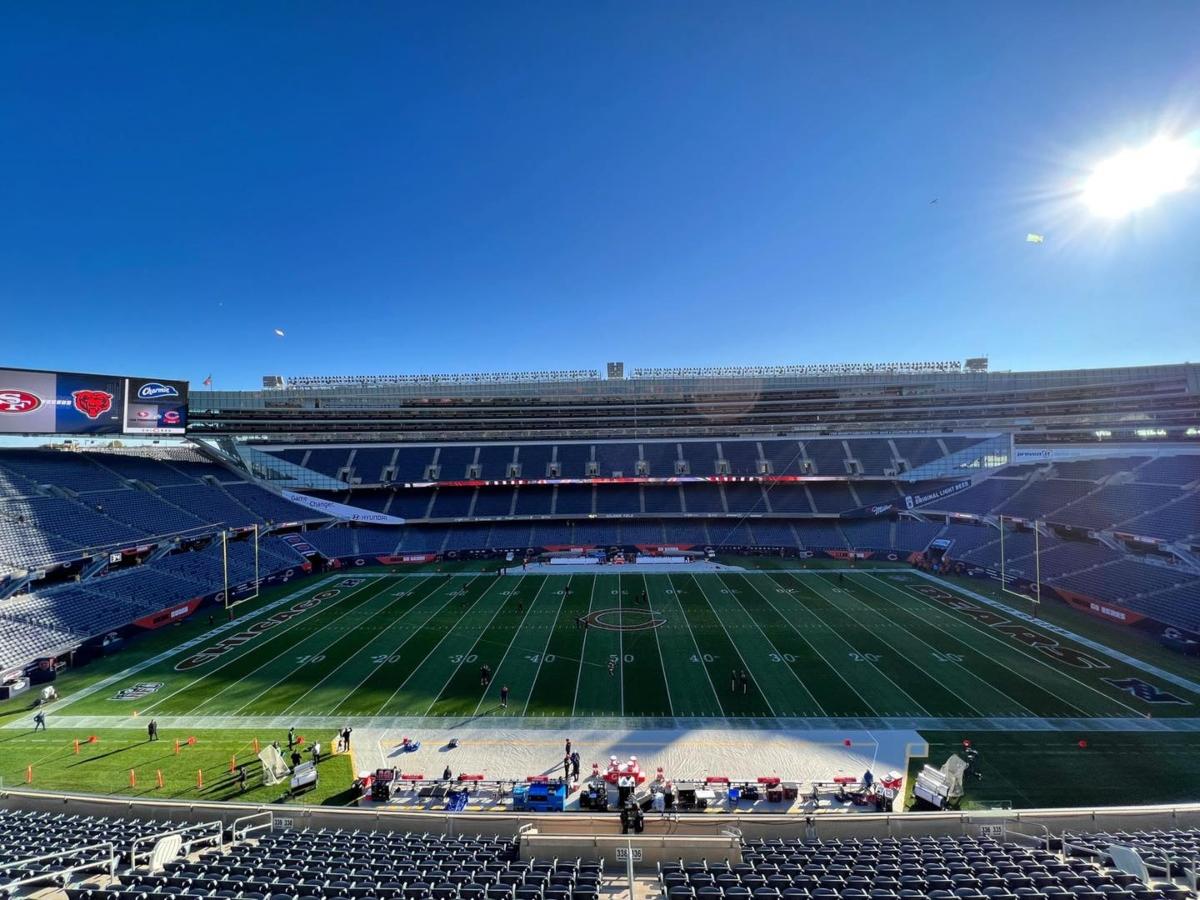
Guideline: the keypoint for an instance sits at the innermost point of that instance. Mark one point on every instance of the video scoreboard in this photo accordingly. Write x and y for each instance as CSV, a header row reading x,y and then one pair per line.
x,y
36,402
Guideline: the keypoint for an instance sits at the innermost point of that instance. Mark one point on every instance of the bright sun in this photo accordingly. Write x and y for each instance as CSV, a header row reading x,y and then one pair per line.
x,y
1136,179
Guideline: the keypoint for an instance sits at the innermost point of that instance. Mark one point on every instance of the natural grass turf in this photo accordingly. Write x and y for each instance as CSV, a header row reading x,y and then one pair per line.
x,y
103,767
812,644
1039,769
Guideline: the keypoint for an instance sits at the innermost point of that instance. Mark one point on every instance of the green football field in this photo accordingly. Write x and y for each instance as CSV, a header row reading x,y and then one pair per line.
x,y
875,643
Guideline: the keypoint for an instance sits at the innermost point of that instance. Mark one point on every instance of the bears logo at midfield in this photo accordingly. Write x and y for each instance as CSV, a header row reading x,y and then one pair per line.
x,y
92,404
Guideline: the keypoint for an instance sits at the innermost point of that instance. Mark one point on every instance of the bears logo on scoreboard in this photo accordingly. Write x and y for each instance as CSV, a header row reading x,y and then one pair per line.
x,y
92,404
16,401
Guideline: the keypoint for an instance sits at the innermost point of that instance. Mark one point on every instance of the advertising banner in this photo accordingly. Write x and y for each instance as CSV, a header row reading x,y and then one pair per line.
x,y
67,403
341,510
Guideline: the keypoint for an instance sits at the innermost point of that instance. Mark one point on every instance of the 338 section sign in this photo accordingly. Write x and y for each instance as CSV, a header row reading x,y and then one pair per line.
x,y
33,402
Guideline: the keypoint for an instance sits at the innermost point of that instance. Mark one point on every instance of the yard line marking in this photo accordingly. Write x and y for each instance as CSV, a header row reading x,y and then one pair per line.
x,y
450,598
350,657
542,656
621,640
977,677
287,675
250,646
729,637
770,644
179,649
583,646
695,643
513,640
816,615
442,640
1044,663
1102,649
657,643
919,640
814,649
475,643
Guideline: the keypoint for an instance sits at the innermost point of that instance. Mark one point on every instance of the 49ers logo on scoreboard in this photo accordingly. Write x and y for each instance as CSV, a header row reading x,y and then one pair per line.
x,y
92,404
17,401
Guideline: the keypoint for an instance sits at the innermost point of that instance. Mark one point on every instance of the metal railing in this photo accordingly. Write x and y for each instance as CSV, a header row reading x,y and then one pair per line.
x,y
60,876
205,833
241,828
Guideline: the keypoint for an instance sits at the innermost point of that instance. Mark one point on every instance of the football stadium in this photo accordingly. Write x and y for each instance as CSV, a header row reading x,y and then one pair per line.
x,y
874,573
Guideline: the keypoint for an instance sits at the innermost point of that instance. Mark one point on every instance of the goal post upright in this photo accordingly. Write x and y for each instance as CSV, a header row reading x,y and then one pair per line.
x,y
229,601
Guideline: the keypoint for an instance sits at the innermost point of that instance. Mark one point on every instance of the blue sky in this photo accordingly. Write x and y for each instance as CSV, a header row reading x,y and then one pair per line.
x,y
467,187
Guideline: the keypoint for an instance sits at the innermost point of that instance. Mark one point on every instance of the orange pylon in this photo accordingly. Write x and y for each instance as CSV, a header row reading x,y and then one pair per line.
x,y
158,779
132,778
199,779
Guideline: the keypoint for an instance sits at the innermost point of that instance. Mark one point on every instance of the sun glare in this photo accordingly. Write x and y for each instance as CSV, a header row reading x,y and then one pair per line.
x,y
1136,179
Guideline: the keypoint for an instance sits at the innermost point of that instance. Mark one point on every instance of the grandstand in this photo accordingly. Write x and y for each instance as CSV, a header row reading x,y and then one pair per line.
x,y
844,572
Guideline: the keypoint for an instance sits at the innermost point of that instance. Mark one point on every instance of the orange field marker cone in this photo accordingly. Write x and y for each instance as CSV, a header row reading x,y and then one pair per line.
x,y
256,746
132,778
158,779
76,746
199,779
29,774
176,746
233,763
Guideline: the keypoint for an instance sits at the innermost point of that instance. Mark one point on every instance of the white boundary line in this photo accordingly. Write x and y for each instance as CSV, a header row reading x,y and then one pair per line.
x,y
542,656
815,614
583,646
1133,661
975,649
695,643
867,608
450,598
658,644
769,643
474,643
466,612
291,673
813,647
621,641
717,616
250,646
513,639
137,667
363,649
1000,640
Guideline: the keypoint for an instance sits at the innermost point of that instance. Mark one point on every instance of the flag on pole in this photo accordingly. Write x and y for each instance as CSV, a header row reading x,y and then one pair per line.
x,y
208,381
1032,238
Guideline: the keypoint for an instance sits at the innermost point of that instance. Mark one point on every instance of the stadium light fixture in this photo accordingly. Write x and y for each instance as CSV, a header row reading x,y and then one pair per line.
x,y
1135,179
